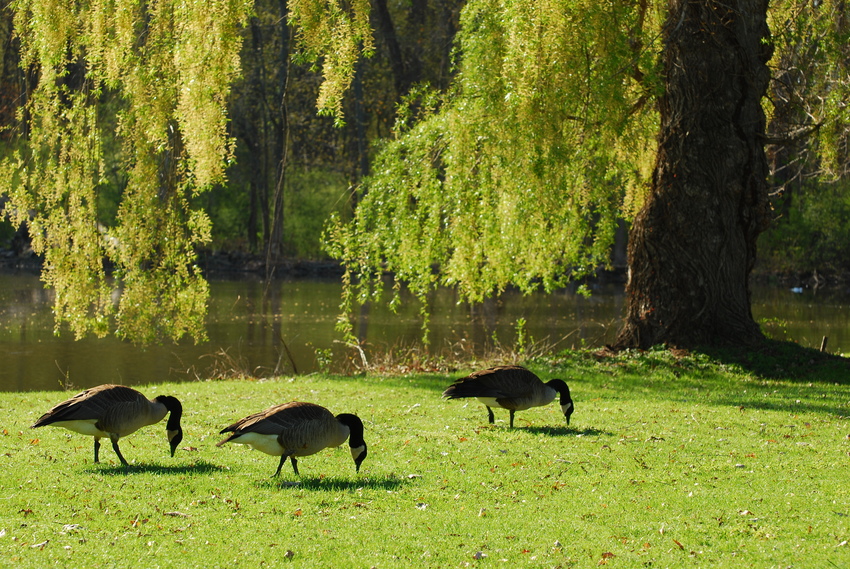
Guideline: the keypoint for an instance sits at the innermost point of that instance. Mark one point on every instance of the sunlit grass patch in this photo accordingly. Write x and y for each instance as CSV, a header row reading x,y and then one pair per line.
x,y
668,462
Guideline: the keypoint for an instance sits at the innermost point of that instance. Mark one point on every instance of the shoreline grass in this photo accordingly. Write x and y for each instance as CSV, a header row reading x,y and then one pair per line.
x,y
669,462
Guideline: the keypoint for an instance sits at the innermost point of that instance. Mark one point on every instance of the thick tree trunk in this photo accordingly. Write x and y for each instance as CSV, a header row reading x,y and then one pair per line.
x,y
693,245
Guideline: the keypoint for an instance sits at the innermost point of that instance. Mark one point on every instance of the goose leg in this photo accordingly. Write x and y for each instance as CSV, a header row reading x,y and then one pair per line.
x,y
294,465
280,464
490,416
118,452
96,449
512,418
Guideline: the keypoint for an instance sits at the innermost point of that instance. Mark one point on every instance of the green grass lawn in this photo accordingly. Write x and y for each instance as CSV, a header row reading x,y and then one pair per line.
x,y
667,463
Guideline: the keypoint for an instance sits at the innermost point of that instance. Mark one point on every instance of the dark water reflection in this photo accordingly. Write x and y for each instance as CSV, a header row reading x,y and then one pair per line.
x,y
263,330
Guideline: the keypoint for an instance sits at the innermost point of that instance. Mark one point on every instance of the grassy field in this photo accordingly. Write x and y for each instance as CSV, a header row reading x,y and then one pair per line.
x,y
668,463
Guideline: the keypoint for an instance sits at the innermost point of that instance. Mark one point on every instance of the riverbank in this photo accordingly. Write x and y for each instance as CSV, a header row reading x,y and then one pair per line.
x,y
224,263
211,263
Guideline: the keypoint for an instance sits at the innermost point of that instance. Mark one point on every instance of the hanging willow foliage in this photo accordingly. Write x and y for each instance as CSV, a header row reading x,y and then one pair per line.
x,y
141,87
810,93
519,175
516,176
146,82
337,33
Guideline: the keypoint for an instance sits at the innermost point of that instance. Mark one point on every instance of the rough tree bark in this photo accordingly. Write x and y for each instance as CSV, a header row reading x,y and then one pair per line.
x,y
693,245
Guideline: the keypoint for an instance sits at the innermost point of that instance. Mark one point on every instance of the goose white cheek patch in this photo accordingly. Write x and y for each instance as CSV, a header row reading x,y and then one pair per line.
x,y
357,451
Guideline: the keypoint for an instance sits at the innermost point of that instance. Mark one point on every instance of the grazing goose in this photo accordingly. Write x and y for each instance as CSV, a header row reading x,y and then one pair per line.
x,y
511,387
298,429
115,411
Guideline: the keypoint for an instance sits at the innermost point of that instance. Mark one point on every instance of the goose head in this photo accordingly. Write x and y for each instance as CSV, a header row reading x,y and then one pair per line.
x,y
567,406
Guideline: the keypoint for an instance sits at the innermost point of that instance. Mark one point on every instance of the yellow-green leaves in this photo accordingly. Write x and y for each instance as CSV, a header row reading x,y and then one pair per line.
x,y
150,79
338,33
205,28
811,91
519,176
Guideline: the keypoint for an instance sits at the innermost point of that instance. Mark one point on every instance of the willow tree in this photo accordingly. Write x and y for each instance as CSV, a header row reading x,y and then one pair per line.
x,y
141,87
517,175
693,245
150,78
569,114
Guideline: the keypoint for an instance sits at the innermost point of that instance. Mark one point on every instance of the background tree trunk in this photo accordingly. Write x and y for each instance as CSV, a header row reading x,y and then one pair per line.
x,y
693,245
274,246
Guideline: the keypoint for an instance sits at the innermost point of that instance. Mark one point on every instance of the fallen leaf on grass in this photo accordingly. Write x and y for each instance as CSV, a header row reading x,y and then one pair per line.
x,y
682,547
479,555
175,514
40,545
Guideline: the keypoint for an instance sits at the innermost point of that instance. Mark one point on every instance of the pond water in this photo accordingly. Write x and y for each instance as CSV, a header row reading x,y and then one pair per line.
x,y
288,327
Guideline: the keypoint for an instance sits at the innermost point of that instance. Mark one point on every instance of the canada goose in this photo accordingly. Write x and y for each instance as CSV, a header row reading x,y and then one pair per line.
x,y
511,387
115,411
298,429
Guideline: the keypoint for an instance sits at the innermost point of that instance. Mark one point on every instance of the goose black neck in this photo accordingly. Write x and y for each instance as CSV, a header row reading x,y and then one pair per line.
x,y
560,386
175,410
355,429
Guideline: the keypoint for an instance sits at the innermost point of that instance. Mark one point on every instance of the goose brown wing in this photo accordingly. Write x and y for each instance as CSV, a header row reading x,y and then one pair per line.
x,y
280,418
95,403
295,413
307,428
497,382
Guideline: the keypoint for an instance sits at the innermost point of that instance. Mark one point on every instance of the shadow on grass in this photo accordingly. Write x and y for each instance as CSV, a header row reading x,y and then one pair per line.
x,y
199,467
565,431
774,376
333,483
788,361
